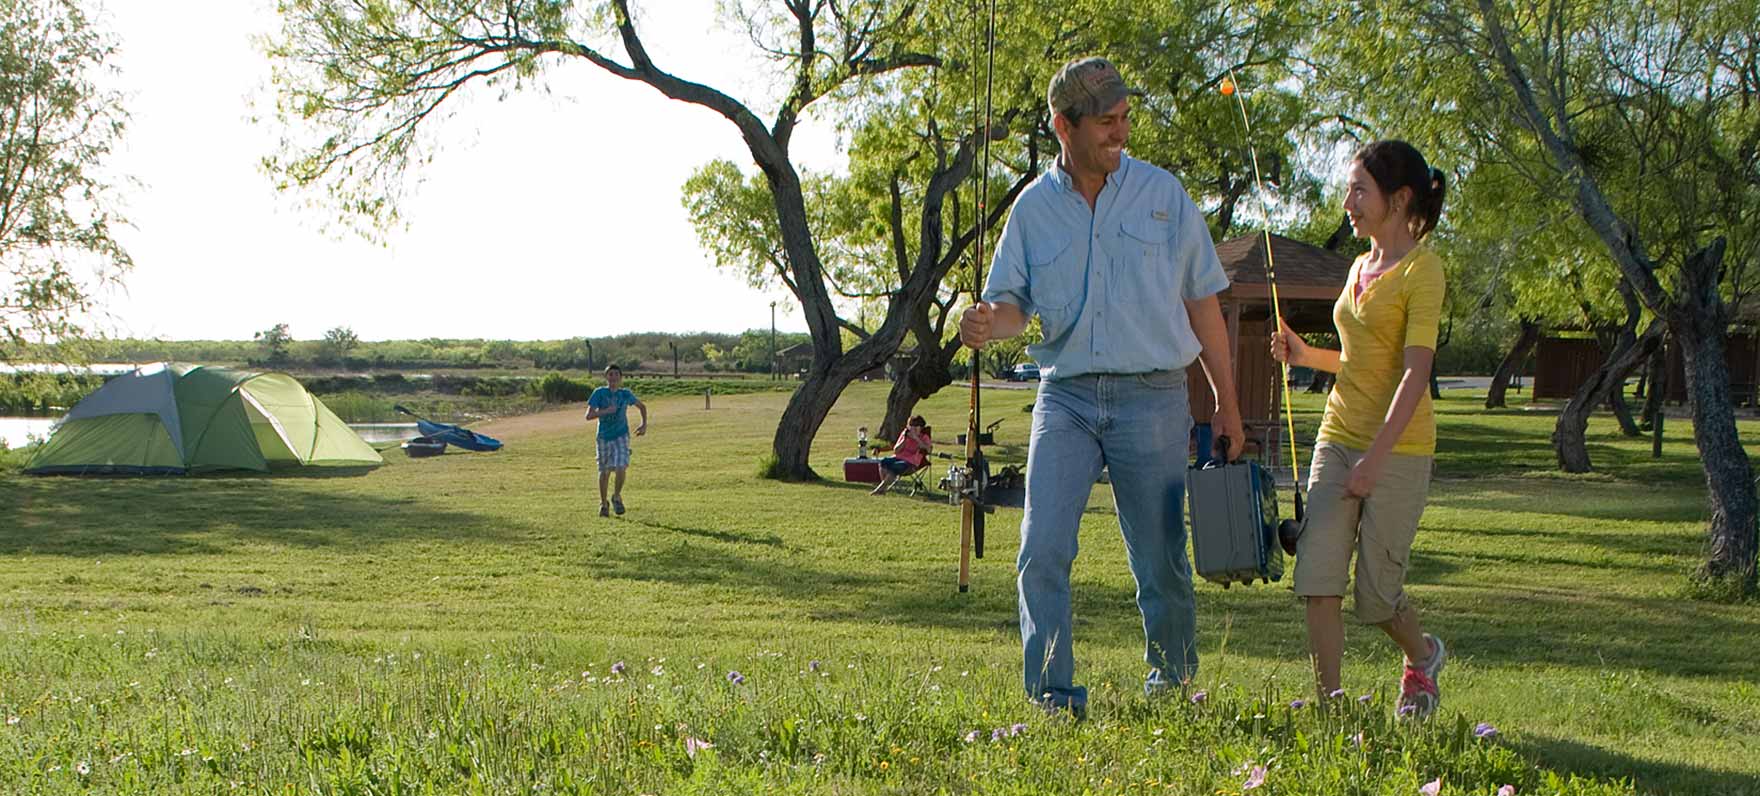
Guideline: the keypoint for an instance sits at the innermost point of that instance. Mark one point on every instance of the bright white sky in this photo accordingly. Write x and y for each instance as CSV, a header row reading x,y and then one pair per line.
x,y
542,217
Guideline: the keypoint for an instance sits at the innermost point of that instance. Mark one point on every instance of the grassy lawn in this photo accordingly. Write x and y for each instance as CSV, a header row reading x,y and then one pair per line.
x,y
468,624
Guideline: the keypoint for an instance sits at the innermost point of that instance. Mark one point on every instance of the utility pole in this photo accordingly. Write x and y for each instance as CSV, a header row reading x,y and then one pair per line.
x,y
589,354
674,345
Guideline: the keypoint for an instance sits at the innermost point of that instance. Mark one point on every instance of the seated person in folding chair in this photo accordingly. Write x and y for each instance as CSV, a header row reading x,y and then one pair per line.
x,y
909,454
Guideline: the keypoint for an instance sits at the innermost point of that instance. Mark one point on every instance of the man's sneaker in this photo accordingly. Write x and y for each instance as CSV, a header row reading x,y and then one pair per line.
x,y
1418,693
604,509
1063,706
617,505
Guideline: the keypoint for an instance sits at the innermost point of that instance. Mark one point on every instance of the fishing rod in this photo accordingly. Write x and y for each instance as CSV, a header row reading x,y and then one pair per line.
x,y
1288,530
971,481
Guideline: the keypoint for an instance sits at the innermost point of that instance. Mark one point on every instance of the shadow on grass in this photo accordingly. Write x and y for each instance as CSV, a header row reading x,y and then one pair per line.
x,y
1649,776
1591,500
1466,448
730,537
1533,627
714,566
304,473
104,517
1514,548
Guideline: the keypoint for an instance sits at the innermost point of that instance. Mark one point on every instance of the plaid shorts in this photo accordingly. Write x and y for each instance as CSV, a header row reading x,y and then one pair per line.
x,y
614,453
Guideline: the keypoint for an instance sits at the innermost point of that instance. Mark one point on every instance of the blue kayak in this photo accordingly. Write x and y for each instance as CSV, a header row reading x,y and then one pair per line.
x,y
457,436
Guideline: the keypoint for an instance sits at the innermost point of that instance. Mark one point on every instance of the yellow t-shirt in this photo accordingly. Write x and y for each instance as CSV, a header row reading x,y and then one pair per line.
x,y
1401,308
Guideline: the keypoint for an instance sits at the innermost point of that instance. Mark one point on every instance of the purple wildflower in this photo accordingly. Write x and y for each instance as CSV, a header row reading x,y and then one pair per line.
x,y
1484,730
972,737
998,734
618,667
1432,787
1298,704
1507,790
736,678
1199,697
1366,698
1016,730
813,666
1407,710
1336,693
1255,778
693,745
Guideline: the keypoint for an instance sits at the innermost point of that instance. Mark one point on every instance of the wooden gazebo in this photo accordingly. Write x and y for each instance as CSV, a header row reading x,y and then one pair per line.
x,y
1309,280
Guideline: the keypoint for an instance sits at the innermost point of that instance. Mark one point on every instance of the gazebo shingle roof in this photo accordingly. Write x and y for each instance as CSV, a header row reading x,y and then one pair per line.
x,y
1304,271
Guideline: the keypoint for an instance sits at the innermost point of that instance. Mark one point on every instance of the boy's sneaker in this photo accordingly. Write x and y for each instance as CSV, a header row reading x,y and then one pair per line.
x,y
1418,693
604,509
617,505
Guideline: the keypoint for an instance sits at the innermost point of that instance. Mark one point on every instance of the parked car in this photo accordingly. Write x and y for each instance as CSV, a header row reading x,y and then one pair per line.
x,y
1025,371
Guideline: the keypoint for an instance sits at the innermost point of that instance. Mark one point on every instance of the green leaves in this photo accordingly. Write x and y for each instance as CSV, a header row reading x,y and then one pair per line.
x,y
56,128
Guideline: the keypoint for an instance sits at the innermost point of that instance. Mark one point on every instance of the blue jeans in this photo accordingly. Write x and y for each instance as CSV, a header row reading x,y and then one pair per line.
x,y
1138,426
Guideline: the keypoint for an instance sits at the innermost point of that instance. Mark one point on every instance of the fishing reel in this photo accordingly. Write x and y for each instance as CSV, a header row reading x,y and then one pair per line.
x,y
967,483
1290,530
970,481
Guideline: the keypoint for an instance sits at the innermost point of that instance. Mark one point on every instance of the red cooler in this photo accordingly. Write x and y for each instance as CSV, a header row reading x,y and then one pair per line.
x,y
862,470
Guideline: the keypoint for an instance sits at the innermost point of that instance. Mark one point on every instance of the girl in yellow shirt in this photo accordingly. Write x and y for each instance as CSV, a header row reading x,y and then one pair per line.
x,y
1372,460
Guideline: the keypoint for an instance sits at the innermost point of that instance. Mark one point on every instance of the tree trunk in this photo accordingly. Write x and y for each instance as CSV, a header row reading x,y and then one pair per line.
x,y
1653,352
1340,234
928,373
1568,435
1658,391
1512,364
1622,412
1699,323
809,405
1696,319
1616,393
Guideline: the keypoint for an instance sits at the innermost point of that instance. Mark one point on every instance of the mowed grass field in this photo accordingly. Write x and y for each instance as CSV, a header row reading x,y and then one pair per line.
x,y
468,624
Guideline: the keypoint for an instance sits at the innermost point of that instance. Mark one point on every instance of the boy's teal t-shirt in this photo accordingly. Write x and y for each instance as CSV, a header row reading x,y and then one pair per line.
x,y
616,424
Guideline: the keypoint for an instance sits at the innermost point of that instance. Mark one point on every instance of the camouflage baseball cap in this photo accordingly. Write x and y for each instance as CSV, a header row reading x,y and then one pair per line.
x,y
1088,87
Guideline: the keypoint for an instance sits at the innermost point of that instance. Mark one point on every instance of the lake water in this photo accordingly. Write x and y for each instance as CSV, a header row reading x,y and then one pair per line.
x,y
375,433
16,432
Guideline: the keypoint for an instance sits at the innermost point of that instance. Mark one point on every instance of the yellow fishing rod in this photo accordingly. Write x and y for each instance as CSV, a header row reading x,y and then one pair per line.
x,y
1288,530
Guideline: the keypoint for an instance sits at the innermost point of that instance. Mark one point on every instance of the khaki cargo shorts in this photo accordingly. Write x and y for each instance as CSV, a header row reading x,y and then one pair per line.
x,y
1379,529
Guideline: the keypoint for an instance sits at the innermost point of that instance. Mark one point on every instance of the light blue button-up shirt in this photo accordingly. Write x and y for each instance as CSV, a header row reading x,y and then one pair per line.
x,y
1109,285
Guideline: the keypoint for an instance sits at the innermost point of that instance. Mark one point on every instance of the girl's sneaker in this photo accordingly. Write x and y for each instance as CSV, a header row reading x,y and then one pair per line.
x,y
1418,694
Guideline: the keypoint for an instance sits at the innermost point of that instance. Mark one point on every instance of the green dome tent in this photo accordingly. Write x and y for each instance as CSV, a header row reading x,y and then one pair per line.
x,y
174,418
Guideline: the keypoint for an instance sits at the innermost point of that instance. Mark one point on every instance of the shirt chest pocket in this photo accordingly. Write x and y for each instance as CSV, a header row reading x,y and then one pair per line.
x,y
1142,240
1140,259
1056,273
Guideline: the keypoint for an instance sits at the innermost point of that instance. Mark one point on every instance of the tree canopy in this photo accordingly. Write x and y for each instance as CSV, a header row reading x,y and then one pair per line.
x,y
57,210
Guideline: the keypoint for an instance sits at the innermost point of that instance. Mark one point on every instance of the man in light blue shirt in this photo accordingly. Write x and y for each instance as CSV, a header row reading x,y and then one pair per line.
x,y
1117,262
